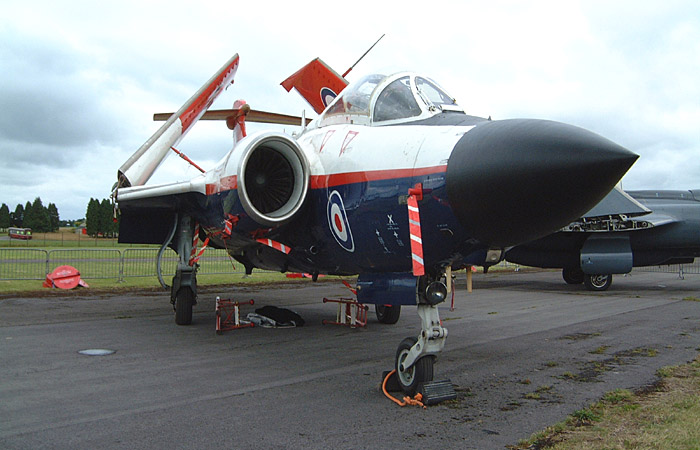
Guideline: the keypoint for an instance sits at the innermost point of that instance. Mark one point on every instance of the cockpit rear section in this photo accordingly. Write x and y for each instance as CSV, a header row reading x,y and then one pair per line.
x,y
379,100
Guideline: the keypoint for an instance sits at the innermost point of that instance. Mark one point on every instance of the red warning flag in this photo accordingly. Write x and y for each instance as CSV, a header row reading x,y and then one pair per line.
x,y
317,83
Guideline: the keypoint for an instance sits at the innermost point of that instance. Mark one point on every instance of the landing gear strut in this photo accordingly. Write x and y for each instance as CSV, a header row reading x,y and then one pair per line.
x,y
183,292
415,356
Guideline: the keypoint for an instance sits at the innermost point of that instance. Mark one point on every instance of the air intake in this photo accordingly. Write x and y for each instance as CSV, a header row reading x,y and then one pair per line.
x,y
273,178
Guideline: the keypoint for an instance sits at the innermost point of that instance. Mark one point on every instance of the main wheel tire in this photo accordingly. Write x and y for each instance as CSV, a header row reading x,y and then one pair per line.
x,y
572,275
184,301
388,314
420,372
598,282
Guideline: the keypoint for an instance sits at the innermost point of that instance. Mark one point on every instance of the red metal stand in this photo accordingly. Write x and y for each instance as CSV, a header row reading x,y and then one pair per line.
x,y
228,315
350,313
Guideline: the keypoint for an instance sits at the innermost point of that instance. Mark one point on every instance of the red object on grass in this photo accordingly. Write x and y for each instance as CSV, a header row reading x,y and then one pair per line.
x,y
64,277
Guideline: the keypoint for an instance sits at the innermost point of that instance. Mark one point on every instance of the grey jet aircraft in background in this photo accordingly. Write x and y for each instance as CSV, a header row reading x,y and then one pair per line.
x,y
625,230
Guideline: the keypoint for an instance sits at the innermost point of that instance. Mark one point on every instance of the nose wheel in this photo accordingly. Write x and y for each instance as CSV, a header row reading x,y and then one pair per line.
x,y
415,356
420,372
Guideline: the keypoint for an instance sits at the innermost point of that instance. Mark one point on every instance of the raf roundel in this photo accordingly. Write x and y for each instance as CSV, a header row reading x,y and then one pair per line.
x,y
338,222
327,96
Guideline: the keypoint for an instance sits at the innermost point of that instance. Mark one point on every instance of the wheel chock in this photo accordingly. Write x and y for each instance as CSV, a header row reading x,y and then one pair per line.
x,y
228,315
350,313
435,392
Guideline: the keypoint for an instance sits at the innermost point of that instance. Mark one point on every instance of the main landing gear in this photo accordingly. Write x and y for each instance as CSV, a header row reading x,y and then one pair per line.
x,y
415,356
183,292
598,282
572,275
388,314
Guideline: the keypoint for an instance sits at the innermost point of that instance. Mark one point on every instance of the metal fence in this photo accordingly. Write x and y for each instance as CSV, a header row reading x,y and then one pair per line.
x,y
23,264
35,264
680,269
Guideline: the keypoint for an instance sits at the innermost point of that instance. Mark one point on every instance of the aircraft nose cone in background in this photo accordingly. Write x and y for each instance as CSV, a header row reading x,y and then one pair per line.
x,y
512,181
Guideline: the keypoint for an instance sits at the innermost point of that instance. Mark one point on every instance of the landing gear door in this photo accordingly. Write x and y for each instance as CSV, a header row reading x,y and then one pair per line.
x,y
387,289
606,255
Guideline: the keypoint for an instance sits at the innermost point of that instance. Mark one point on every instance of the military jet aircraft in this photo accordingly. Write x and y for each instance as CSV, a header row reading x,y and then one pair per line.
x,y
626,230
392,181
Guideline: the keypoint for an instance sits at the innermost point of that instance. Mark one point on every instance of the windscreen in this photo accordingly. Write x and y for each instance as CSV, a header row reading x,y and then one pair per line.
x,y
355,98
430,92
396,102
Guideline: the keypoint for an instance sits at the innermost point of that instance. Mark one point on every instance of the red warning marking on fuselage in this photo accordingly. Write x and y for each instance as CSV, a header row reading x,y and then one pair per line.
x,y
348,139
328,135
276,245
416,238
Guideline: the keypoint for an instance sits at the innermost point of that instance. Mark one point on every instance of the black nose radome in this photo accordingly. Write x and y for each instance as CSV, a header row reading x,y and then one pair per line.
x,y
512,181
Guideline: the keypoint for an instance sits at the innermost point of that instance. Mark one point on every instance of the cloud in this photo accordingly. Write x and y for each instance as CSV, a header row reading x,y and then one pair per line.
x,y
55,102
82,79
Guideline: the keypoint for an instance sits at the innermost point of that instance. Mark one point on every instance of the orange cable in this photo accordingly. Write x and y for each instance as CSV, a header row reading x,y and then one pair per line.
x,y
416,400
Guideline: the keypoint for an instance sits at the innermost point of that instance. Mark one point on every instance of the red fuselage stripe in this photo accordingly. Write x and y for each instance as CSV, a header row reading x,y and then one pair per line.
x,y
338,179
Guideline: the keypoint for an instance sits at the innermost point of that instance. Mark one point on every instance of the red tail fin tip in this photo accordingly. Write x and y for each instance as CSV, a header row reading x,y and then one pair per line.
x,y
317,83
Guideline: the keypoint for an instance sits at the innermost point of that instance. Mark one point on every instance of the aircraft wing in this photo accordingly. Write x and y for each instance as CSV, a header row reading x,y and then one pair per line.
x,y
250,116
620,211
158,192
140,166
617,202
148,213
656,220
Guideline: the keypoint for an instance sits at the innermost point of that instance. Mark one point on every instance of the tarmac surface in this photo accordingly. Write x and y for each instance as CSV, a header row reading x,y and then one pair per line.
x,y
524,350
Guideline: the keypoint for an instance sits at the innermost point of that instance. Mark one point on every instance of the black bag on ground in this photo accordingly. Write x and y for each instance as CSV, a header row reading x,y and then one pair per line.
x,y
283,316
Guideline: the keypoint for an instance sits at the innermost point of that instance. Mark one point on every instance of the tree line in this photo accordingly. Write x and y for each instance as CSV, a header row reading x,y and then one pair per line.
x,y
41,219
99,218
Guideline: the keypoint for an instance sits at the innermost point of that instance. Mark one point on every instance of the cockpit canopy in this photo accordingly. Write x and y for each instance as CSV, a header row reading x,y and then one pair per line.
x,y
386,100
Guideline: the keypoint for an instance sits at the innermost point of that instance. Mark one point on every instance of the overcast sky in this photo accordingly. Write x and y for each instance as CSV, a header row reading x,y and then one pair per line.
x,y
81,79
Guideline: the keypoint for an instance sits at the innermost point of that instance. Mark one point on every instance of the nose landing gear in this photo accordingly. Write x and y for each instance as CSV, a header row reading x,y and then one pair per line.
x,y
415,356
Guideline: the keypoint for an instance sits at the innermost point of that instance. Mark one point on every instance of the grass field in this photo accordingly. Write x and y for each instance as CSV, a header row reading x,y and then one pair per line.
x,y
28,287
111,266
106,264
65,237
665,416
96,263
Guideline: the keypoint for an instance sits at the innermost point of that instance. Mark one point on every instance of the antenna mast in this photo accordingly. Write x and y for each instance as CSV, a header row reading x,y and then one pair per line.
x,y
365,54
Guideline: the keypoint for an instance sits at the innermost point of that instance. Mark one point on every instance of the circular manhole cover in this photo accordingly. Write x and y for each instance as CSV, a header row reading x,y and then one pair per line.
x,y
97,352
